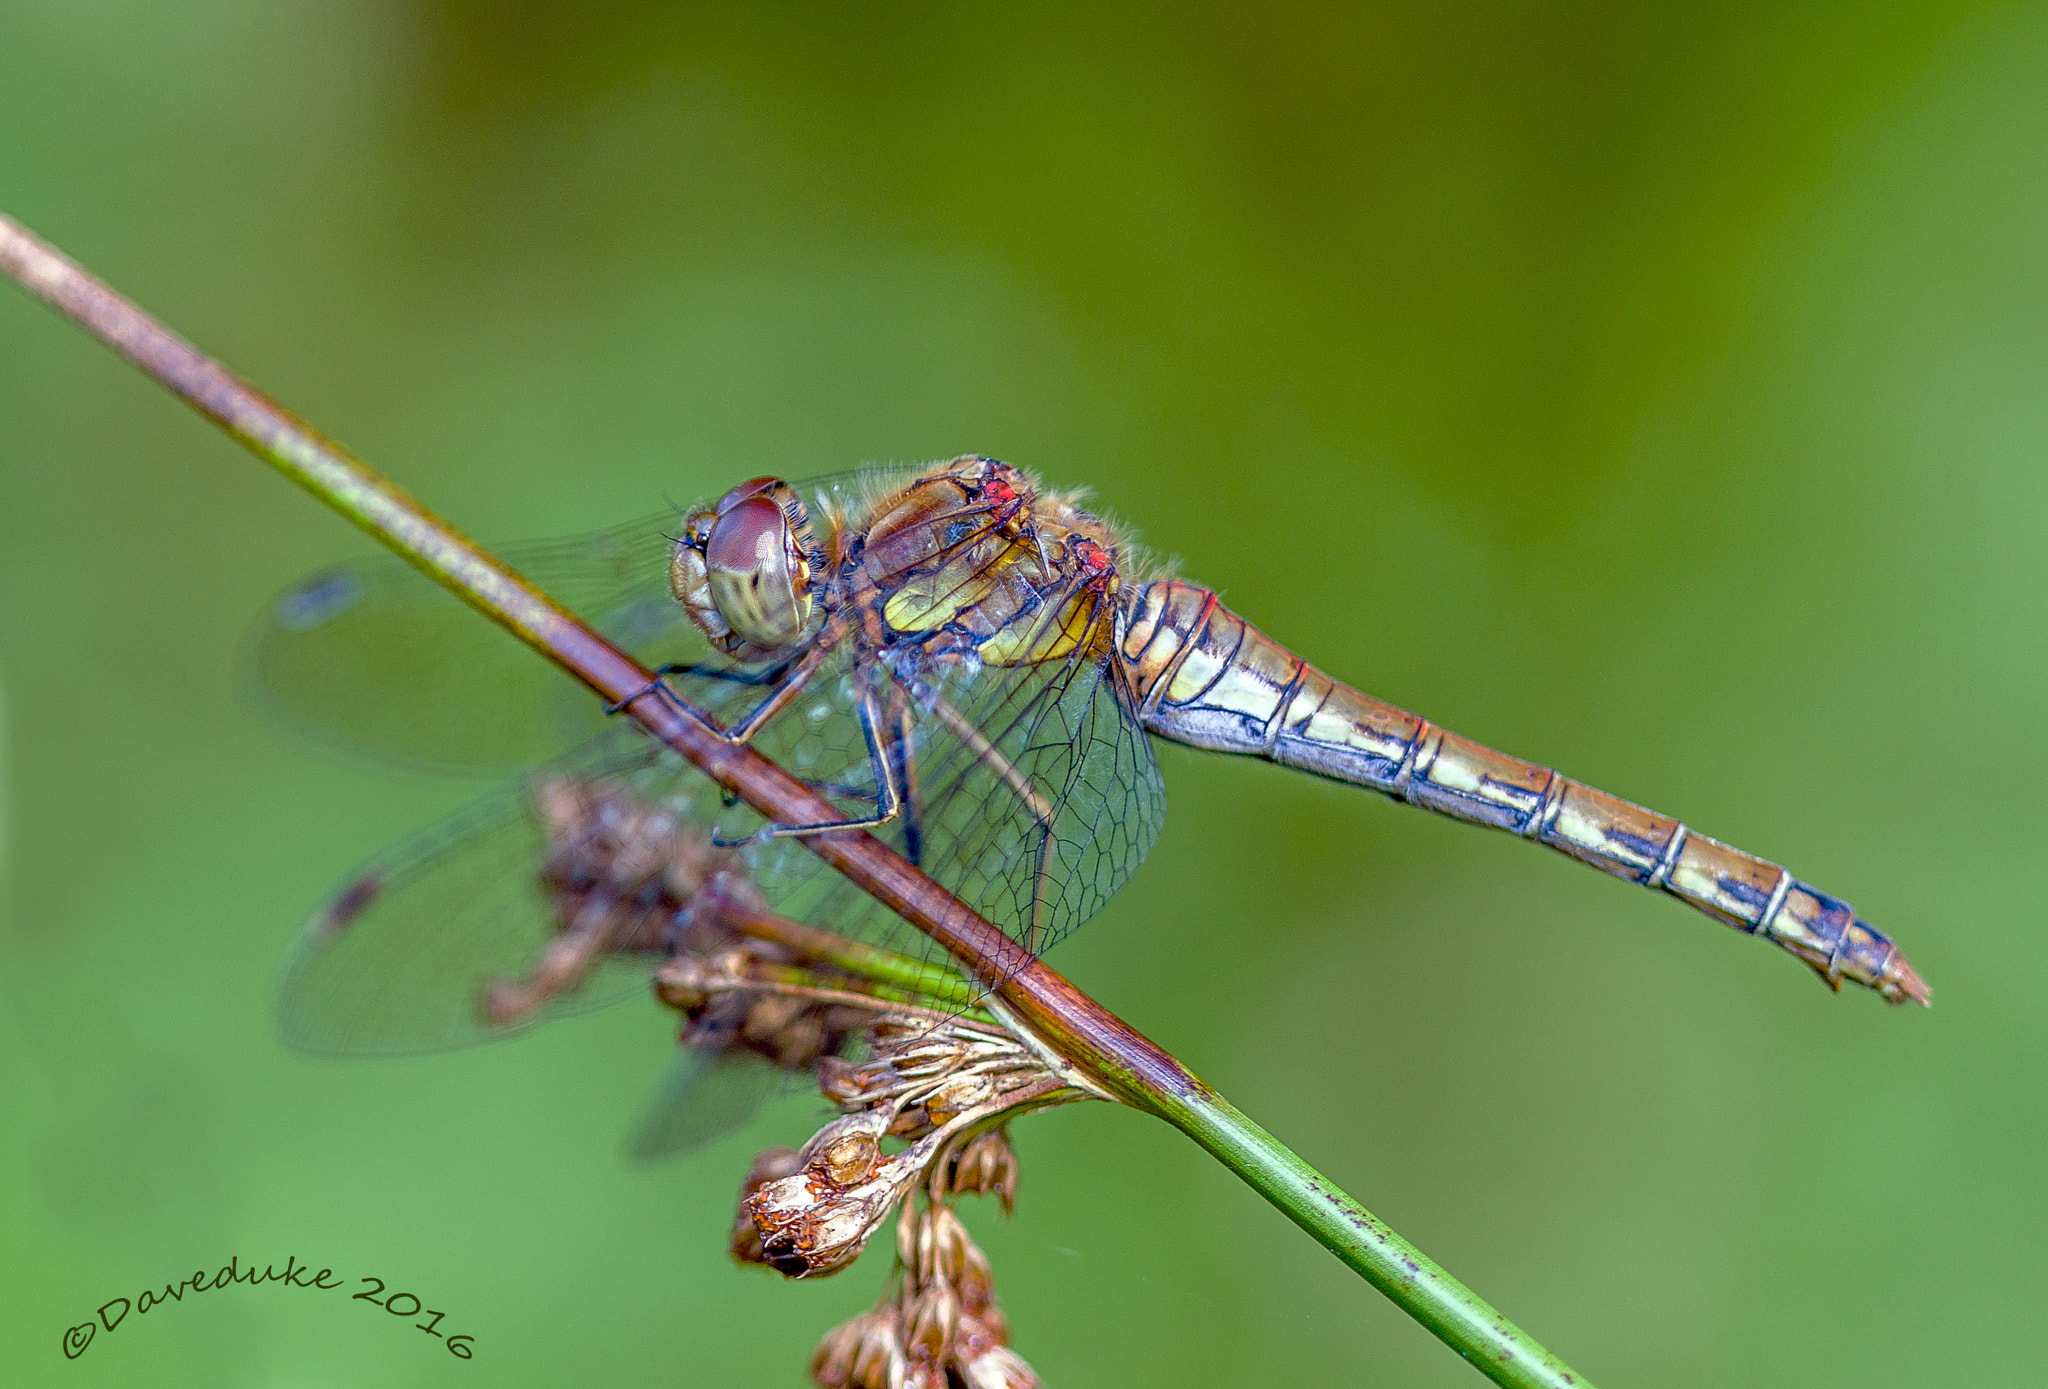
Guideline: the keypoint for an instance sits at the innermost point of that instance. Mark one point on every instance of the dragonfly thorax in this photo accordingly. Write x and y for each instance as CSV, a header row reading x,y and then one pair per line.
x,y
973,564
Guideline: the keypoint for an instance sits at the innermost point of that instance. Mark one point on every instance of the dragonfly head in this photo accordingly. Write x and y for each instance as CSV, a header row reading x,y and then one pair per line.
x,y
743,568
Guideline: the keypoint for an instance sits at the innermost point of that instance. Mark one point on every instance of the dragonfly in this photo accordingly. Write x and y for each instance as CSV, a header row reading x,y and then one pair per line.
x,y
966,663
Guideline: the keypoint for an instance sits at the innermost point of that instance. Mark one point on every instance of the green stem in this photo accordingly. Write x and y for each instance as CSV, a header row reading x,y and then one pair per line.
x,y
800,980
932,983
1095,1040
1495,1346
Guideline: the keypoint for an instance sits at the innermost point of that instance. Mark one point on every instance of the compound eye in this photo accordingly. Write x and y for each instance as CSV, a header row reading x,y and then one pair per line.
x,y
759,578
752,487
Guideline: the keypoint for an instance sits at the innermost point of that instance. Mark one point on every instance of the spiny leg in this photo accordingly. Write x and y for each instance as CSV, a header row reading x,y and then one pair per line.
x,y
888,797
704,670
775,675
903,749
794,676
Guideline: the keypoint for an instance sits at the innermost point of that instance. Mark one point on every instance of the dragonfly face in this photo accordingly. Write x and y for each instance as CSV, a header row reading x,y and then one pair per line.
x,y
744,569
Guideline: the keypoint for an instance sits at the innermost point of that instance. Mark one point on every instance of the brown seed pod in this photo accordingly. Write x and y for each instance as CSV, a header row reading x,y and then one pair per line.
x,y
770,1166
985,1165
849,1160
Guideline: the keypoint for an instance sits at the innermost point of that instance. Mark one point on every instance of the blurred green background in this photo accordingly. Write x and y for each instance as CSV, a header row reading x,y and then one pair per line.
x,y
1659,395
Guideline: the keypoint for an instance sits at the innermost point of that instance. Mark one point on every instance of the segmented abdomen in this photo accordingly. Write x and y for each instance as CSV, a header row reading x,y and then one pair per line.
x,y
1204,676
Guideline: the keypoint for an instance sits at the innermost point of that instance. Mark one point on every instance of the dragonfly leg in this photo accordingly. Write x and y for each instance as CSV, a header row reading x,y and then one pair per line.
x,y
789,681
902,749
774,675
888,796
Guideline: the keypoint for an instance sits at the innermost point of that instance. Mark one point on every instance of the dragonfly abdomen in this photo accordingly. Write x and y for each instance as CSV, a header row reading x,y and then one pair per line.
x,y
1204,676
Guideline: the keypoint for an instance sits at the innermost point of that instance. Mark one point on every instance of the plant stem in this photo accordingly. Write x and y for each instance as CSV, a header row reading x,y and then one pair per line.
x,y
1495,1346
1095,1040
931,982
797,982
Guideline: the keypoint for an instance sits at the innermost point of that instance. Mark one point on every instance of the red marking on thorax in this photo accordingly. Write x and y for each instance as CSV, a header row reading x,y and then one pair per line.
x,y
1097,566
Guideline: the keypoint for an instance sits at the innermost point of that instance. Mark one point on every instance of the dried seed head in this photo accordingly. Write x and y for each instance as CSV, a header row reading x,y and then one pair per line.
x,y
945,1075
686,983
938,1320
842,1082
998,1367
506,1001
602,840
561,805
850,1158
793,1031
981,1332
978,1295
619,875
865,1353
769,1014
940,1246
805,1231
956,1097
864,1126
985,1165
937,1055
813,1223
770,1166
930,1320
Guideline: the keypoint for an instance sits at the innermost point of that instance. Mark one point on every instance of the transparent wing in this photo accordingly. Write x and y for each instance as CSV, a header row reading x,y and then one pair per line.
x,y
711,1087
374,656
1066,729
397,961
1032,795
377,657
